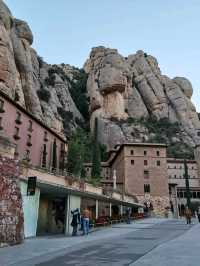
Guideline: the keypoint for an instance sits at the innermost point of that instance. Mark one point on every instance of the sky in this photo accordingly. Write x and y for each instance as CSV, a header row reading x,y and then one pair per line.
x,y
66,30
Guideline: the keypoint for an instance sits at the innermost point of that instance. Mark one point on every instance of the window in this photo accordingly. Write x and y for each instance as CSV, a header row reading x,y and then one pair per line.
x,y
132,152
146,188
145,153
194,194
146,174
198,133
29,141
18,118
180,167
16,134
45,136
30,127
198,195
174,176
88,169
158,163
158,153
145,162
132,162
27,155
181,194
44,156
1,106
174,166
54,156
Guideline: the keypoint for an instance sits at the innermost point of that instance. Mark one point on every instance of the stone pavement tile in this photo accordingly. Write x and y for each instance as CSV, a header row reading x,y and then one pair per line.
x,y
45,246
183,251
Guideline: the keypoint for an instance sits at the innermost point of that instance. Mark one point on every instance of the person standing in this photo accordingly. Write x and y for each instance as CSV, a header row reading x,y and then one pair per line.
x,y
75,221
128,215
198,213
188,215
86,221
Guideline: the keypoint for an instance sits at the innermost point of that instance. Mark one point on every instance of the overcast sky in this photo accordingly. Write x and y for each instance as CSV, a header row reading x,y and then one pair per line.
x,y
65,30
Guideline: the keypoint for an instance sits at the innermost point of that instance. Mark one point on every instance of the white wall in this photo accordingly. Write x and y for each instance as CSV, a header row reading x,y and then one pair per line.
x,y
30,209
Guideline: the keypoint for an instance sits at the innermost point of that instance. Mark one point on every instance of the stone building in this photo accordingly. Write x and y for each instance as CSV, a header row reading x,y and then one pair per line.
x,y
177,187
28,148
141,170
34,141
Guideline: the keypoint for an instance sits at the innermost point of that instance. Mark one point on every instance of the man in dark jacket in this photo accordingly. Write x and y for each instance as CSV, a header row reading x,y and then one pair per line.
x,y
75,221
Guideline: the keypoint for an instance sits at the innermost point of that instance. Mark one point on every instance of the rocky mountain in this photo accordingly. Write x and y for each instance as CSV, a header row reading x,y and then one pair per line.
x,y
42,89
131,98
128,94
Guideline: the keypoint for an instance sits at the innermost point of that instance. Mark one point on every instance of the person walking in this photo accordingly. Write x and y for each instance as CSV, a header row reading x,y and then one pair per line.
x,y
198,213
86,221
188,215
128,215
75,221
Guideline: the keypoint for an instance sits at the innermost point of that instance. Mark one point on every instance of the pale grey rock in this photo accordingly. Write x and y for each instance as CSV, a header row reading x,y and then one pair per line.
x,y
23,31
23,74
185,86
134,87
5,16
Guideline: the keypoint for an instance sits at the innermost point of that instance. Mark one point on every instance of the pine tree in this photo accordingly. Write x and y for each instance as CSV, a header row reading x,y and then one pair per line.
x,y
75,160
96,154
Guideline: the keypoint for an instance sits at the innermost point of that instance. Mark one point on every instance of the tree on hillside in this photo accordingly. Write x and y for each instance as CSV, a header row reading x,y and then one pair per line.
x,y
79,151
96,154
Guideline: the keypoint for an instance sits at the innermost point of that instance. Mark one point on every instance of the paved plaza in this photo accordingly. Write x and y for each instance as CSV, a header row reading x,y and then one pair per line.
x,y
156,242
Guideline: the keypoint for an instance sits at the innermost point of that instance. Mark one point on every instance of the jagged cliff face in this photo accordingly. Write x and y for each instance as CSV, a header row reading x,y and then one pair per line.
x,y
119,89
122,88
41,88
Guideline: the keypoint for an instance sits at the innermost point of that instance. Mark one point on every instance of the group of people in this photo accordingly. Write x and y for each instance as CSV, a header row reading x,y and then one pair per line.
x,y
188,214
82,219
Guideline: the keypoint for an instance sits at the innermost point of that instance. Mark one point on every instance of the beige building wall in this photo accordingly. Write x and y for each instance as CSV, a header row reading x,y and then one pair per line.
x,y
176,172
176,182
147,165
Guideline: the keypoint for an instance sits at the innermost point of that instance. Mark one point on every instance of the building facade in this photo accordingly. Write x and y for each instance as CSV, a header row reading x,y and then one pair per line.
x,y
177,186
34,141
141,170
31,149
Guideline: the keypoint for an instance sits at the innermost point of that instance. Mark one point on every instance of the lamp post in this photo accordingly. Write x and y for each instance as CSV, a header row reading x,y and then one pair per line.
x,y
114,180
188,196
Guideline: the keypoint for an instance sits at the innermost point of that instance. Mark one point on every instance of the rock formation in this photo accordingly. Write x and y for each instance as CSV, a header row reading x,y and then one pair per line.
x,y
23,74
121,88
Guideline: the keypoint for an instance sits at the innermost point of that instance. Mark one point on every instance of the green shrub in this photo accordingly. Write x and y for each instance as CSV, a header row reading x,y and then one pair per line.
x,y
44,94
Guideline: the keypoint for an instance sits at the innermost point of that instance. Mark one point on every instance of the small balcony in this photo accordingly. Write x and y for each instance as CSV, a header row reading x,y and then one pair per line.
x,y
29,144
16,137
18,121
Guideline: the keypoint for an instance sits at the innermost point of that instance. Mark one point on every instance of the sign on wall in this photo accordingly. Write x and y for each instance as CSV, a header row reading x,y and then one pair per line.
x,y
32,180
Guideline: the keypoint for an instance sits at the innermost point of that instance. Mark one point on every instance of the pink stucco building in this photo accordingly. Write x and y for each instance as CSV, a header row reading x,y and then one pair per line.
x,y
34,141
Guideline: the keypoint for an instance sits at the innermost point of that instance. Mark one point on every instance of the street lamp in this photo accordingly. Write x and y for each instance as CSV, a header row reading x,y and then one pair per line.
x,y
114,179
188,196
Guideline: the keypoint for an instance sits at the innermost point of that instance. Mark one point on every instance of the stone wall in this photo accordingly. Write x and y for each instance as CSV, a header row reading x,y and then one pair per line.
x,y
159,204
11,214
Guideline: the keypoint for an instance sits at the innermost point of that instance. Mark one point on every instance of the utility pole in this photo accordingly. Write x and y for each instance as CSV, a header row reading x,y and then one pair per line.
x,y
188,196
